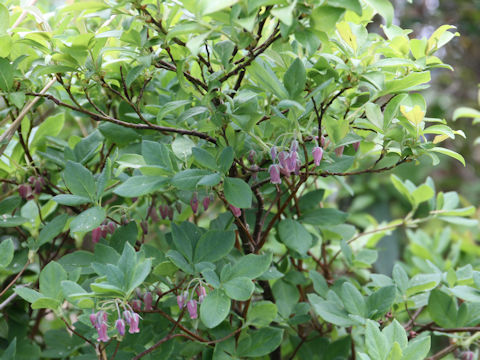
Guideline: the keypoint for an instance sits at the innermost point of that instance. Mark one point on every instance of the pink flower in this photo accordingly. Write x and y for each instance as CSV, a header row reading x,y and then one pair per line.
x,y
274,174
291,162
181,299
236,211
322,141
111,226
192,309
132,319
273,153
317,155
25,191
294,146
137,305
339,151
163,211
147,301
153,214
201,292
282,159
251,156
120,325
102,332
194,202
356,145
93,319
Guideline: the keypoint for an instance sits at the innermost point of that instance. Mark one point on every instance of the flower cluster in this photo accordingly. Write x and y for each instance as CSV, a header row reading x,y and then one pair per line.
x,y
186,299
129,317
102,231
27,192
194,202
285,162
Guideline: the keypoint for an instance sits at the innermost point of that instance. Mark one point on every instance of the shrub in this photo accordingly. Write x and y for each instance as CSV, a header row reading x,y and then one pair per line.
x,y
178,181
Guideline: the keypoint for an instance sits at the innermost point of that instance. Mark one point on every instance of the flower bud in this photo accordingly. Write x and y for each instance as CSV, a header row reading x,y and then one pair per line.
x,y
93,319
356,145
25,191
31,179
163,211
136,305
235,211
180,301
96,234
294,146
273,153
111,226
251,156
194,202
147,301
201,292
206,203
339,151
317,155
153,214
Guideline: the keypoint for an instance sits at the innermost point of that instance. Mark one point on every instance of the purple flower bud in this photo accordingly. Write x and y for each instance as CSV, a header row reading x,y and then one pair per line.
x,y
194,202
317,155
356,145
294,146
282,159
273,153
236,211
104,231
201,292
96,234
178,206
147,301
120,325
93,319
38,186
192,309
144,226
170,213
25,191
251,156
153,214
206,203
467,355
31,179
274,174
339,150
163,211
322,141
136,305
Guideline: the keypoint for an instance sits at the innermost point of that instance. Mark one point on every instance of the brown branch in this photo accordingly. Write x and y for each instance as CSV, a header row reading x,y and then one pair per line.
x,y
76,333
15,278
449,349
100,117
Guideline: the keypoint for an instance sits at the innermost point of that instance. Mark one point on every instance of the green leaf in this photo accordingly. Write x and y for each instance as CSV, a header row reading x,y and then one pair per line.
x,y
384,8
417,349
213,245
380,302
27,294
4,19
211,6
395,332
294,236
353,5
118,134
295,78
286,297
52,229
239,288
140,185
6,41
260,342
204,158
252,266
422,282
261,313
50,127
79,180
325,17
225,159
466,293
319,283
50,278
46,303
6,252
6,75
465,112
266,79
442,309
238,193
71,200
353,300
324,216
330,311
185,238
12,221
10,352
215,308
88,220
284,14
406,83
188,179
450,153
422,193
376,342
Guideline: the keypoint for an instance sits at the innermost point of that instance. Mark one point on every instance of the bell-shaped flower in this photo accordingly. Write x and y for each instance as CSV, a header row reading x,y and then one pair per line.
x,y
339,151
120,325
206,202
235,211
96,234
194,202
192,309
317,155
147,301
274,174
201,292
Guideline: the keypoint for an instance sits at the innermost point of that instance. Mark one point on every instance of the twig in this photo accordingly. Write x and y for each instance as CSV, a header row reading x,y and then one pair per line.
x,y
15,278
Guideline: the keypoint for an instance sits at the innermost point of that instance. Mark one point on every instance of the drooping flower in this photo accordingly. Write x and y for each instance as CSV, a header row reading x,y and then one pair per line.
x,y
136,305
274,174
294,146
153,214
163,211
181,299
194,202
273,153
93,319
25,192
356,145
201,292
132,319
292,161
147,301
317,155
206,202
192,309
102,332
236,211
111,227
120,325
251,156
282,159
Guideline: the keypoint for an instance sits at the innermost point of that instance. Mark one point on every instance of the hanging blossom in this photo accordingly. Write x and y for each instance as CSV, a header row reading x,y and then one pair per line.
x,y
186,299
235,211
194,202
99,322
285,162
